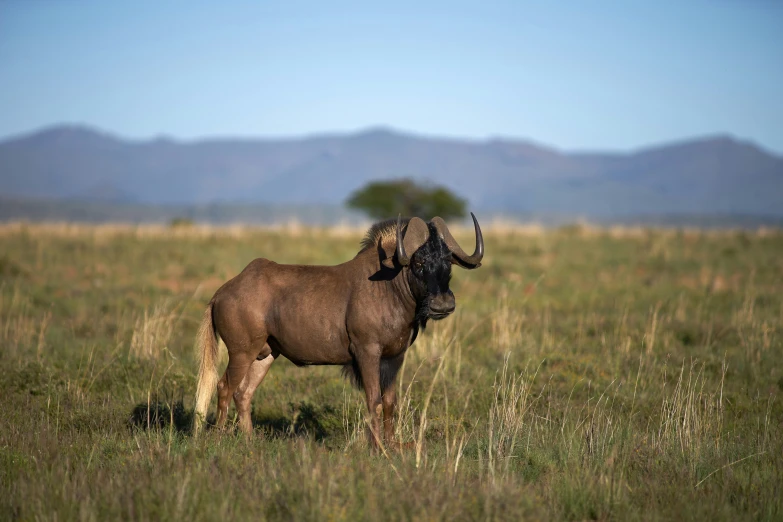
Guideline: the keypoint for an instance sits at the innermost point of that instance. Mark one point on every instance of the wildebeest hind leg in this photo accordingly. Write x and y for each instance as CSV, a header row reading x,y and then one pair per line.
x,y
243,396
223,401
238,365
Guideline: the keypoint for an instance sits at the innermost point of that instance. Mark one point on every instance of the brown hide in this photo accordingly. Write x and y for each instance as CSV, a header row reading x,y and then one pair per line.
x,y
316,314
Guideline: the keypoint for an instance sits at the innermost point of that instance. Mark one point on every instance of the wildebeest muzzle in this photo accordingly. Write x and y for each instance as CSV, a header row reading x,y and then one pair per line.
x,y
442,305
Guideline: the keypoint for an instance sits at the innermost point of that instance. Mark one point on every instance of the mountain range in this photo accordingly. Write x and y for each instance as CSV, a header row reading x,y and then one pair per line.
x,y
710,175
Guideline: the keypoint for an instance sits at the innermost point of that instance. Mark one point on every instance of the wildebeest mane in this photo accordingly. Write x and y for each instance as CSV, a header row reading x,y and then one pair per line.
x,y
383,233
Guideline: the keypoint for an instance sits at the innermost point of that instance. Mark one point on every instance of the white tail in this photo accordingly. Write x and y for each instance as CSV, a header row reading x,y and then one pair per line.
x,y
206,347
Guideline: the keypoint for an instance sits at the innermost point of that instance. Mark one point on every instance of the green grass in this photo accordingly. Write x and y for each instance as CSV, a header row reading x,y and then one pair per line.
x,y
587,374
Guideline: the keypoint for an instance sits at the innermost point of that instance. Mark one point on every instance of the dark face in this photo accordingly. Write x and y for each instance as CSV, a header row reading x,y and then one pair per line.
x,y
430,269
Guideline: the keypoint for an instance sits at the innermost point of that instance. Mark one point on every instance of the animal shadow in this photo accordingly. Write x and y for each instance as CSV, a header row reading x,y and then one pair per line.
x,y
161,415
306,421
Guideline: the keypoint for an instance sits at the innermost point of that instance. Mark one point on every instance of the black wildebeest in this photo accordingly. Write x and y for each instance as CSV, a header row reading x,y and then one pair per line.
x,y
362,314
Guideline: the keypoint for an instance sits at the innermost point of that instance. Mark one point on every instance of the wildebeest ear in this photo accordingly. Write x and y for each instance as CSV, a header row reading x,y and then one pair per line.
x,y
386,256
416,234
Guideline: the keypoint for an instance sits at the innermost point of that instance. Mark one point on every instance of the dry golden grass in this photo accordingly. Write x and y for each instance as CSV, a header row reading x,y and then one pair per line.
x,y
588,373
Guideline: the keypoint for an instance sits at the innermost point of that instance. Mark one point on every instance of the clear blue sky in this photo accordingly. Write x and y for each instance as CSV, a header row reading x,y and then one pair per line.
x,y
576,75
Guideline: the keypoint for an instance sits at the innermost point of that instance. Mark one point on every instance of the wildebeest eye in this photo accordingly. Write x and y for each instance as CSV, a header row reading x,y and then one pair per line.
x,y
419,265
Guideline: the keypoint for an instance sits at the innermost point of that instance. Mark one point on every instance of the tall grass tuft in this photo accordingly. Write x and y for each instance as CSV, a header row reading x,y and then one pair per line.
x,y
152,331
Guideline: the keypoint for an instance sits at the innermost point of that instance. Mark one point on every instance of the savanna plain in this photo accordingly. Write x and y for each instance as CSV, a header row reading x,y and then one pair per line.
x,y
605,374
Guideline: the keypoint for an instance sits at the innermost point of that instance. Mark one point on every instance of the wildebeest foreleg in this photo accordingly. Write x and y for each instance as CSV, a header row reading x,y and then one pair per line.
x,y
369,361
243,396
389,369
389,406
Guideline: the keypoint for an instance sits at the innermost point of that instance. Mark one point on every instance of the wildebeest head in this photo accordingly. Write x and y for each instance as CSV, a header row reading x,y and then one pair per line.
x,y
429,250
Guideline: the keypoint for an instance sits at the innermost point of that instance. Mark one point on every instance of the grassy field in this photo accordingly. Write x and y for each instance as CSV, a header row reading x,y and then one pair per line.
x,y
587,374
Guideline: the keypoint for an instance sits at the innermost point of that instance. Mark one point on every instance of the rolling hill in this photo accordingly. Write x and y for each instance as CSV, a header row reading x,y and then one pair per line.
x,y
705,176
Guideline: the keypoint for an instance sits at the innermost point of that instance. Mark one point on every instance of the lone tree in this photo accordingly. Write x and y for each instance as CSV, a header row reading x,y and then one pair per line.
x,y
386,199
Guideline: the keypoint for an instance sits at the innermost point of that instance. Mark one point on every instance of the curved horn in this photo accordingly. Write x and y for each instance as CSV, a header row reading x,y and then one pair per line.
x,y
464,260
416,234
401,257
